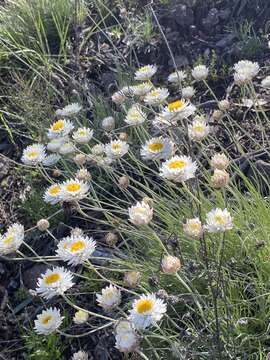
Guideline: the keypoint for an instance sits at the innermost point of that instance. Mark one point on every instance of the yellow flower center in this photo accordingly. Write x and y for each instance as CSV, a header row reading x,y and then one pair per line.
x,y
155,93
220,219
155,147
77,246
46,319
58,125
8,239
52,278
116,146
177,164
198,128
144,69
176,105
82,132
73,187
54,190
144,305
195,226
32,154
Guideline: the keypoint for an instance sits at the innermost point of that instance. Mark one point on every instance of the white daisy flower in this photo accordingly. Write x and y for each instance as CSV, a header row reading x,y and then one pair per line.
x,y
245,71
50,160
80,355
55,144
73,190
12,239
178,169
109,298
80,317
60,128
193,228
146,311
145,72
123,326
82,135
200,72
51,195
218,220
67,148
142,89
199,129
126,342
69,110
75,249
156,96
157,148
33,154
178,110
116,149
188,92
48,321
219,161
140,214
54,282
177,76
98,149
135,115
266,82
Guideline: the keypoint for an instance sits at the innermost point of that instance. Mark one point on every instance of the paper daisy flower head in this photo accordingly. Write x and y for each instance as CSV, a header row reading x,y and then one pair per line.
x,y
220,179
109,298
178,169
48,321
67,148
177,76
157,148
193,228
145,72
73,190
146,311
178,109
245,71
116,149
69,110
33,154
200,72
80,317
199,129
82,135
60,128
51,195
141,89
188,92
54,282
135,115
80,355
55,144
126,342
219,161
12,239
140,214
108,123
218,220
156,96
123,326
266,82
118,97
76,249
50,160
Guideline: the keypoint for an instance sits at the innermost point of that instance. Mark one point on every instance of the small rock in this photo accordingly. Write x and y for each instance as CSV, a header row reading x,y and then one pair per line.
x,y
30,276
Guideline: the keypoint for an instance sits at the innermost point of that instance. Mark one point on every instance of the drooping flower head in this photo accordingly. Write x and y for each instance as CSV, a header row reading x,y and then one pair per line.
x,y
51,195
141,89
60,128
109,298
135,115
156,96
12,239
34,154
177,76
140,214
69,110
145,72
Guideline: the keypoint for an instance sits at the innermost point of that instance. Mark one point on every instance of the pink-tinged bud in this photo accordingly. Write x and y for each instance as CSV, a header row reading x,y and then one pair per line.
x,y
83,175
108,123
170,264
111,239
43,224
217,115
193,228
132,278
220,179
123,136
118,97
224,105
123,182
219,161
80,159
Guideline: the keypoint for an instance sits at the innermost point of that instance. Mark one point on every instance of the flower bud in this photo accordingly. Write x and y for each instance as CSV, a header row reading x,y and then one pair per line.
x,y
80,159
132,278
111,239
80,355
108,123
76,232
193,228
170,264
56,173
83,175
224,105
200,72
43,224
220,179
217,115
80,317
123,182
97,149
123,136
188,92
118,97
219,161
147,200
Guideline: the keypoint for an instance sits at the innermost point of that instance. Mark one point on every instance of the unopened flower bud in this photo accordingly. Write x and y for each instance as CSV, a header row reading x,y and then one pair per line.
x,y
188,92
220,179
76,232
193,228
80,317
111,239
224,105
123,182
43,224
219,161
147,200
118,97
132,278
108,123
56,173
217,115
83,175
80,159
123,136
170,264
80,355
